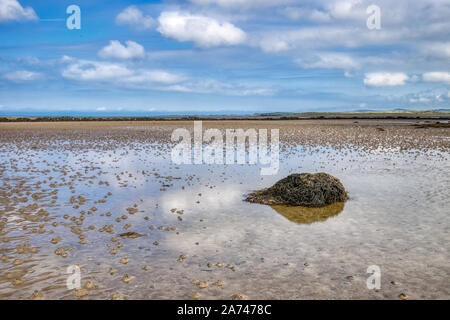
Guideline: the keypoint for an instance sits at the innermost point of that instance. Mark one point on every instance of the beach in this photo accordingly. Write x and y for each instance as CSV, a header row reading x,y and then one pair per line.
x,y
106,197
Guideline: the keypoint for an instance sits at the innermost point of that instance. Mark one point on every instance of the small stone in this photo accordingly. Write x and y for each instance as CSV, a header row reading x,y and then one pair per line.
x,y
403,296
80,292
89,285
239,296
218,283
195,296
127,278
37,295
117,296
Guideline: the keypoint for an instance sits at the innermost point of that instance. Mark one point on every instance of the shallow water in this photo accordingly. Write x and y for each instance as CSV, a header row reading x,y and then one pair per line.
x,y
397,218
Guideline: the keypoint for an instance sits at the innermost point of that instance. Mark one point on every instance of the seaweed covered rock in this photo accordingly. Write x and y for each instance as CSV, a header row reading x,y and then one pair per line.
x,y
302,189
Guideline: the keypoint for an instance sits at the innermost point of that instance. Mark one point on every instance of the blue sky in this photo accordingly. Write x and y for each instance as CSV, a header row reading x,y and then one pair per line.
x,y
224,55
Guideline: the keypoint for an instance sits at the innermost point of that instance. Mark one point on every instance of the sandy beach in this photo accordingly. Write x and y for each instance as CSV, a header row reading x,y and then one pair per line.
x,y
106,197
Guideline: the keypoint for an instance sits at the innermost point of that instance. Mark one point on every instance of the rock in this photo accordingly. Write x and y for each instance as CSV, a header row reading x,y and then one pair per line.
x,y
304,189
203,284
195,296
37,295
127,278
80,293
218,283
131,235
403,296
117,296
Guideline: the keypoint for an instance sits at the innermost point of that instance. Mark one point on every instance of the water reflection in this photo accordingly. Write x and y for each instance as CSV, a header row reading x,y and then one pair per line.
x,y
305,215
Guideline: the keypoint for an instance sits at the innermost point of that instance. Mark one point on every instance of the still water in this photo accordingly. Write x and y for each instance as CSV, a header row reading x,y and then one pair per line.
x,y
196,235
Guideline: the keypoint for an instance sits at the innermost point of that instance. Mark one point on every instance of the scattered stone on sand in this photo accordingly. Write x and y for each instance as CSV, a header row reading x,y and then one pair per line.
x,y
403,296
18,282
132,210
239,296
195,296
202,284
18,261
117,296
182,258
61,252
131,235
218,283
89,285
37,295
80,292
127,278
124,260
304,189
56,240
112,271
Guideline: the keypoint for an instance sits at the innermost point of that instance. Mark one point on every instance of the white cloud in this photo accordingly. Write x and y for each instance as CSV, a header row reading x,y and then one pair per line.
x,y
101,109
349,9
84,70
439,49
296,13
436,77
211,86
22,76
134,17
328,61
203,31
12,10
348,74
385,79
420,100
118,51
242,4
274,45
120,75
154,76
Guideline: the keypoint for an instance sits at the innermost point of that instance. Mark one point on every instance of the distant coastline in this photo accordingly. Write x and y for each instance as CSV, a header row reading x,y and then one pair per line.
x,y
439,114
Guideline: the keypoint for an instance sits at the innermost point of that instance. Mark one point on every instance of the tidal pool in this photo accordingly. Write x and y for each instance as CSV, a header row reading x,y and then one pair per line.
x,y
67,192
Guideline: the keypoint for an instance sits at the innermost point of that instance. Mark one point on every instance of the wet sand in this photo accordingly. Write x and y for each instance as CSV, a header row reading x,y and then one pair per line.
x,y
105,196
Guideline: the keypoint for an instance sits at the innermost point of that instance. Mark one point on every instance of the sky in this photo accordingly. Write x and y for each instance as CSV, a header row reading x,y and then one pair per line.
x,y
224,56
